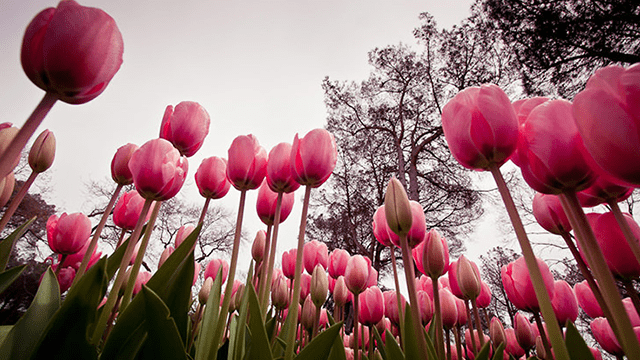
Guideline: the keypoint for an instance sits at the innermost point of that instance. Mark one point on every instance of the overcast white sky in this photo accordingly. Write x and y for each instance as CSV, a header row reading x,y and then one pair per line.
x,y
256,67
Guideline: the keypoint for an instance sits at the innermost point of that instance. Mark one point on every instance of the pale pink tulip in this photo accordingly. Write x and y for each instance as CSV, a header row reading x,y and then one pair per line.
x,y
120,172
247,165
518,286
313,157
357,274
211,178
371,306
185,126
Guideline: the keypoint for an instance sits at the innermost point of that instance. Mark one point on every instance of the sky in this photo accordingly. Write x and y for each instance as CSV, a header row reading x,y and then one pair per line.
x,y
255,66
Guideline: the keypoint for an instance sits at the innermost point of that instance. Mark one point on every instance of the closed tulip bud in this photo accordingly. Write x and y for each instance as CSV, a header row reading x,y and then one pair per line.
x,y
587,300
74,260
548,211
338,260
165,255
448,308
289,263
308,313
213,267
436,255
513,348
315,253
305,286
540,350
73,51
67,234
468,279
357,274
280,293
247,165
391,306
268,202
381,229
319,286
120,172
603,190
383,325
257,249
340,292
484,299
142,279
42,152
496,332
397,208
185,127
462,311
424,305
6,136
203,294
604,335
183,233
237,292
211,178
6,188
371,306
313,157
65,277
518,286
524,332
279,171
564,303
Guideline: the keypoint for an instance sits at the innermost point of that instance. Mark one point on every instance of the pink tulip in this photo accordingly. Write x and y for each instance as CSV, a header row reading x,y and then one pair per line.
x,y
432,255
211,178
280,293
74,260
340,292
158,170
6,188
73,51
338,260
565,304
128,209
604,335
550,150
247,164
484,299
462,311
289,263
513,348
315,253
391,306
183,232
65,277
142,279
42,152
371,306
612,93
448,309
214,266
279,172
268,201
634,317
185,127
548,211
480,127
165,255
602,191
257,249
357,274
453,278
596,353
468,278
305,286
613,244
518,286
524,331
68,234
587,300
381,229
313,157
120,172
418,225
372,280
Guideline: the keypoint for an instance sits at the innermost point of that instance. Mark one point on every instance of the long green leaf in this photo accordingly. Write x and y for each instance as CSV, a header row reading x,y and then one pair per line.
x,y
498,354
239,350
8,277
393,349
411,347
578,349
337,350
483,354
163,332
320,347
206,349
380,344
260,346
6,245
24,336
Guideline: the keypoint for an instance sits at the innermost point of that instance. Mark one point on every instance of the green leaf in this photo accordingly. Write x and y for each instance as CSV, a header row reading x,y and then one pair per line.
x,y
260,347
4,331
164,339
380,346
578,349
337,350
392,348
239,350
411,347
7,244
320,346
25,334
66,335
499,353
8,277
483,354
113,262
205,349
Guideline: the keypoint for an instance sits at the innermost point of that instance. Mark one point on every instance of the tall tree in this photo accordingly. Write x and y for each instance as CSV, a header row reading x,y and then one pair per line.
x,y
560,43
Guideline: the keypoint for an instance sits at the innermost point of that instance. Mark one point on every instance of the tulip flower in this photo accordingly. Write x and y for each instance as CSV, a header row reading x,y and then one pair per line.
x,y
461,309
42,152
448,308
425,307
183,232
398,209
603,190
357,274
468,278
586,300
604,335
213,267
612,94
315,253
513,348
391,306
308,313
547,209
268,201
158,170
257,249
65,276
435,255
165,255
480,127
338,260
305,286
371,306
68,234
381,229
496,332
564,302
211,178
319,286
185,127
6,188
73,51
279,171
313,157
340,292
120,172
74,260
484,299
143,278
280,293
524,332
205,290
289,263
518,286
247,165
128,209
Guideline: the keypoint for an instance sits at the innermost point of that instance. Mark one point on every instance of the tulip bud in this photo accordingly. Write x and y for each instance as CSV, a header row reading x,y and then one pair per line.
x,y
236,298
524,332
6,136
436,256
340,292
120,172
165,255
183,233
540,351
6,188
424,305
357,274
42,152
397,208
203,295
308,313
257,249
449,309
280,293
319,286
496,332
468,279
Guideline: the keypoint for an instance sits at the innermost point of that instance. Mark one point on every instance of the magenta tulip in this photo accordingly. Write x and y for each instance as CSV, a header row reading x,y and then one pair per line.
x,y
454,284
183,232
425,307
480,127
74,260
612,93
548,211
165,255
391,306
142,279
313,157
602,191
120,172
565,304
604,335
338,260
289,263
340,292
381,229
73,51
315,253
213,267
518,286
462,311
185,127
128,209
513,348
357,274
158,170
65,277
371,306
247,165
484,299
211,178
257,249
524,331
68,234
587,300
268,201
448,308
279,172
432,255
305,286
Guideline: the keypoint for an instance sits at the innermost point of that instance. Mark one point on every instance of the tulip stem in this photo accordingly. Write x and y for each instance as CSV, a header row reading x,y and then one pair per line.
x,y
261,274
204,211
126,258
96,235
398,297
57,272
122,234
440,349
606,282
544,300
356,307
476,314
543,334
220,328
448,347
456,334
410,276
272,250
17,199
471,328
293,309
12,152
370,342
626,230
316,322
196,322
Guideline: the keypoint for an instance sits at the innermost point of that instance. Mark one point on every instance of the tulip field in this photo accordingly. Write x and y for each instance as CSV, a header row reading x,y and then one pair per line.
x,y
321,304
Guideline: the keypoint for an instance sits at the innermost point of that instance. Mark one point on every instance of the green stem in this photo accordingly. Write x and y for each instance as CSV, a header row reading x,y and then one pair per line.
x,y
398,297
17,199
272,250
410,276
293,309
440,348
543,335
64,257
12,152
316,322
203,213
478,322
471,328
356,306
96,235
544,301
264,287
